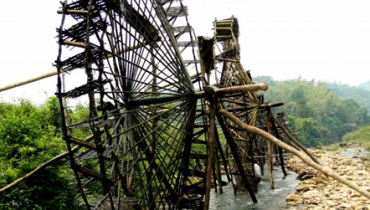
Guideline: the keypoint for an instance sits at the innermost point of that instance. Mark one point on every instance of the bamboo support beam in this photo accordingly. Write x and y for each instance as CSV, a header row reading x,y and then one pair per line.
x,y
27,81
234,150
38,168
55,72
83,143
225,59
294,140
211,148
89,172
241,89
74,12
303,156
74,44
269,151
279,148
231,90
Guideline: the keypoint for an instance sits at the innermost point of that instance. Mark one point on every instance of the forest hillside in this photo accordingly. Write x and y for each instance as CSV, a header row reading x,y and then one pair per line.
x,y
319,113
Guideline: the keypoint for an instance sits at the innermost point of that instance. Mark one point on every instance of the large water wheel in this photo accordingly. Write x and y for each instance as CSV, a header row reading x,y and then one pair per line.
x,y
149,106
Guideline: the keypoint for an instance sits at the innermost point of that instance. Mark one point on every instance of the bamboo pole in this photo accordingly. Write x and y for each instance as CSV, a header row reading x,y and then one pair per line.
x,y
234,151
241,89
278,148
55,72
41,166
269,151
303,156
294,140
211,153
27,81
218,173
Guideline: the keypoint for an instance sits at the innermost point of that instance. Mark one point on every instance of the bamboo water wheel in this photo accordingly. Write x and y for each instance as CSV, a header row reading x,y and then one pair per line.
x,y
156,105
150,108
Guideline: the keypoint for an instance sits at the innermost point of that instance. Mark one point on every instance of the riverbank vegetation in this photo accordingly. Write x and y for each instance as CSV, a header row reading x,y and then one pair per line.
x,y
29,136
361,136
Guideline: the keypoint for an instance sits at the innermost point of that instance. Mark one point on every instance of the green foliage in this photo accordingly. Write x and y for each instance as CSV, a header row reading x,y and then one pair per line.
x,y
29,137
80,114
318,115
361,135
360,93
333,147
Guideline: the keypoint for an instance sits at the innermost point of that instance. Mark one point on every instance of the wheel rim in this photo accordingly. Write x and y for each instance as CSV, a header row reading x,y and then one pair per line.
x,y
146,106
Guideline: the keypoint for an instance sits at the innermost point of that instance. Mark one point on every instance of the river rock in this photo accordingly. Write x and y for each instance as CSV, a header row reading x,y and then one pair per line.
x,y
360,207
309,182
318,191
302,187
317,180
345,206
293,197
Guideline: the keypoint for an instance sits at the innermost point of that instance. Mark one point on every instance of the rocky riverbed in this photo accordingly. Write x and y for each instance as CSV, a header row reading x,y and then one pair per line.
x,y
317,191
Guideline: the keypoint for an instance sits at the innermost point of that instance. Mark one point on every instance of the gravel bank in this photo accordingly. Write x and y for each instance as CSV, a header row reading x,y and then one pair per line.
x,y
317,191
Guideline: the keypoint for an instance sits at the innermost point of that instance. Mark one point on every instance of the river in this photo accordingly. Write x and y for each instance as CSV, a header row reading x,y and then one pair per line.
x,y
271,199
268,198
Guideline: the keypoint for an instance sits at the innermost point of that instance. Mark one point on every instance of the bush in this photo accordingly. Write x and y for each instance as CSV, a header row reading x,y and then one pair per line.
x,y
29,137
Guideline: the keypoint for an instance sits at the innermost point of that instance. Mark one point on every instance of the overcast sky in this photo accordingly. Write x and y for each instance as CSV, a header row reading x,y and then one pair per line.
x,y
326,40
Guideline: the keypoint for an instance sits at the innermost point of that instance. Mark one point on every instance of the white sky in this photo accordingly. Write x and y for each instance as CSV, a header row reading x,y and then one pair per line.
x,y
286,39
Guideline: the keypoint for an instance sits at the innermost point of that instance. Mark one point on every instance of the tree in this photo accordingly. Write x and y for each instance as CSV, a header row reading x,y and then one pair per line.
x,y
330,116
28,137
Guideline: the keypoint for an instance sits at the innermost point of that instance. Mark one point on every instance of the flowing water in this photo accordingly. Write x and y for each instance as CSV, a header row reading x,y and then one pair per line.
x,y
354,152
271,199
267,198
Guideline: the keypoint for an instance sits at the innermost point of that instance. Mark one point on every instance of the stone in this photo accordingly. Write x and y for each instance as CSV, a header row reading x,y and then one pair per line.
x,y
318,191
345,205
293,197
331,203
302,187
360,207
309,181
355,194
307,176
317,180
310,194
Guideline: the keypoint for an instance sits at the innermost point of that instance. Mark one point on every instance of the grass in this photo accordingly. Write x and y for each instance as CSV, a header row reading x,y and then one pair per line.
x,y
361,136
332,148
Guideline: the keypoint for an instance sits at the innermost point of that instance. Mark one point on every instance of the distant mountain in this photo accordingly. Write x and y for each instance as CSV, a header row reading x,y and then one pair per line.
x,y
365,85
359,93
320,112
